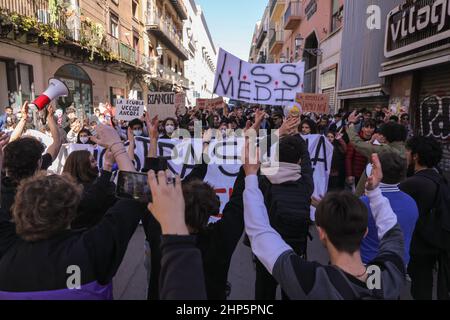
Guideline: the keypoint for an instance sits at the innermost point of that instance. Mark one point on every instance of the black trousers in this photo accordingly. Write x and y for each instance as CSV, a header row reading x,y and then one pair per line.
x,y
421,270
265,284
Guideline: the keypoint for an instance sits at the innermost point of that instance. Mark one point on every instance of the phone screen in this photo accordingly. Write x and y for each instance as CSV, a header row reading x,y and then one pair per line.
x,y
134,186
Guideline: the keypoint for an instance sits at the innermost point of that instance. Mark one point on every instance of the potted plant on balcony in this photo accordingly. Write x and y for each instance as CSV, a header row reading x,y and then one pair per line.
x,y
6,25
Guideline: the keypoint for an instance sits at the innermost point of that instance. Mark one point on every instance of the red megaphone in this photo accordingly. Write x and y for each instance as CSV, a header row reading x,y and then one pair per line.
x,y
56,88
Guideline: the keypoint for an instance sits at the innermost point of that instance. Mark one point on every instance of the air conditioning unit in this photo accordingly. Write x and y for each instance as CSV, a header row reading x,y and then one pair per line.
x,y
43,16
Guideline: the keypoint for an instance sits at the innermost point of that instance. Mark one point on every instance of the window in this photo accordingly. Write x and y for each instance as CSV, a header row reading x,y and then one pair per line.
x,y
338,13
114,26
134,9
311,9
136,42
25,80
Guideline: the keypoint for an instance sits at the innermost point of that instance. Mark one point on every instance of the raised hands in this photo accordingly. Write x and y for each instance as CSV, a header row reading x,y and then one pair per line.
x,y
290,126
24,110
250,156
167,204
377,174
152,126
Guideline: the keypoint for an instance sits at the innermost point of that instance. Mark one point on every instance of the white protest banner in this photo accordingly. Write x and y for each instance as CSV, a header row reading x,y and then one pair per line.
x,y
128,110
270,84
161,104
221,174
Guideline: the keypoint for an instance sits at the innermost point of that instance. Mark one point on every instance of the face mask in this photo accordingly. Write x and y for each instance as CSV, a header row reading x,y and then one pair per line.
x,y
137,133
224,132
170,129
84,140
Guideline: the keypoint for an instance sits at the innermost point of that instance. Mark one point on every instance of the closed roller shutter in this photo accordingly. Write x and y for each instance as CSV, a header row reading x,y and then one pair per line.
x,y
434,103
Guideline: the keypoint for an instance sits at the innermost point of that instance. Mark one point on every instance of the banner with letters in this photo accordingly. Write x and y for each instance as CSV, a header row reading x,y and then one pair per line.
x,y
221,172
269,84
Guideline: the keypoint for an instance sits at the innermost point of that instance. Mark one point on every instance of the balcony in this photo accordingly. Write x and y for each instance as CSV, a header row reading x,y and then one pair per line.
x,y
126,54
167,34
276,9
276,41
293,15
180,8
261,36
168,75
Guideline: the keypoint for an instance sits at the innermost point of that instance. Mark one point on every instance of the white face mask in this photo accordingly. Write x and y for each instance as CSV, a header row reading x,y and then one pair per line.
x,y
84,140
224,132
137,133
170,129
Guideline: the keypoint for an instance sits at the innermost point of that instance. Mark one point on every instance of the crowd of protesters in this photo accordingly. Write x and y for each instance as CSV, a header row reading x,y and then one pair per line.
x,y
384,185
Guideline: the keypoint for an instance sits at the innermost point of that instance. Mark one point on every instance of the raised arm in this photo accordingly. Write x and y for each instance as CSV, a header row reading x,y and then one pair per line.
x,y
267,244
107,137
18,130
55,147
181,276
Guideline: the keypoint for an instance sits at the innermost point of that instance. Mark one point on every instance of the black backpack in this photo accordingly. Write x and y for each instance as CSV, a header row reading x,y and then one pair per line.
x,y
435,226
288,207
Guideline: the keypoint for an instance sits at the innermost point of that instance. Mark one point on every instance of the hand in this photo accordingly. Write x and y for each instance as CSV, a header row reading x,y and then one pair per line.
x,y
207,136
130,135
350,180
353,117
248,125
152,126
259,117
316,201
339,136
106,136
377,174
24,111
251,159
50,112
167,204
290,126
109,160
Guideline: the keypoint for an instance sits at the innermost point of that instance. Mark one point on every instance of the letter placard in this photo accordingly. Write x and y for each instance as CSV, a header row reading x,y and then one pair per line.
x,y
270,84
128,110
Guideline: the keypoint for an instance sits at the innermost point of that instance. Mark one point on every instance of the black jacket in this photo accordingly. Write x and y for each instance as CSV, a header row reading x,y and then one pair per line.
x,y
41,270
97,198
217,243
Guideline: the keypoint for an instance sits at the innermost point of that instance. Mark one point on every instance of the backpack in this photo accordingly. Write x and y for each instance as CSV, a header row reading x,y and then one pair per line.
x,y
435,226
288,207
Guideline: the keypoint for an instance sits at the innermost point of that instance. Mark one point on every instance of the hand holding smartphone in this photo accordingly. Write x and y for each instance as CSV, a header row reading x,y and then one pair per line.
x,y
134,186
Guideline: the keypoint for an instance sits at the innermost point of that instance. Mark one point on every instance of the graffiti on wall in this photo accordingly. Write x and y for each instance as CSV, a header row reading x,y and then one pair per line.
x,y
435,117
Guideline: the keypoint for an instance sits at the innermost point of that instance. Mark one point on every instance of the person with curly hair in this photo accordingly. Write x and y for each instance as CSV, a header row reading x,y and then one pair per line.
x,y
42,258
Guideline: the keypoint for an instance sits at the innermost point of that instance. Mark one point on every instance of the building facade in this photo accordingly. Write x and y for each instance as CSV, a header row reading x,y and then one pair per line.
x,y
102,50
308,30
201,66
409,70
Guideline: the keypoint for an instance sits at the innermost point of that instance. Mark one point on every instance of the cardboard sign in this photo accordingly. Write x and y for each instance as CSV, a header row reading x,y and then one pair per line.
x,y
161,104
311,102
128,110
269,84
216,103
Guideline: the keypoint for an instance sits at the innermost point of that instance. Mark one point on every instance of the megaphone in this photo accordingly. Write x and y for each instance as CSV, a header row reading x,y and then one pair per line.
x,y
56,88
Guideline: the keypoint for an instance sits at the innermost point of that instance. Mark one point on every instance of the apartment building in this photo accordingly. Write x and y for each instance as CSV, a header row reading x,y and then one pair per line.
x,y
308,30
102,50
201,66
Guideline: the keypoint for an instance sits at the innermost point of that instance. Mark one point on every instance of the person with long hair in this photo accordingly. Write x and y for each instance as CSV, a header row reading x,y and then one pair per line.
x,y
98,193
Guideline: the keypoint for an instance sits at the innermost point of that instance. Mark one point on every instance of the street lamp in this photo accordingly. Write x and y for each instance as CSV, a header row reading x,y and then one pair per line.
x,y
299,41
159,51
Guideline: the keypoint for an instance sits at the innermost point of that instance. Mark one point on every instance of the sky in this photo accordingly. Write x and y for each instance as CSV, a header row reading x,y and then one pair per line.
x,y
232,22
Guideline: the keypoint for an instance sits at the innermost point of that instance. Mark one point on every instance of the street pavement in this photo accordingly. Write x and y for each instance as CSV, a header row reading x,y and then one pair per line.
x,y
130,282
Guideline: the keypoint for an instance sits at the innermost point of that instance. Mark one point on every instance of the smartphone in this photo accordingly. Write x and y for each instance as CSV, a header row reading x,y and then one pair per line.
x,y
133,186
